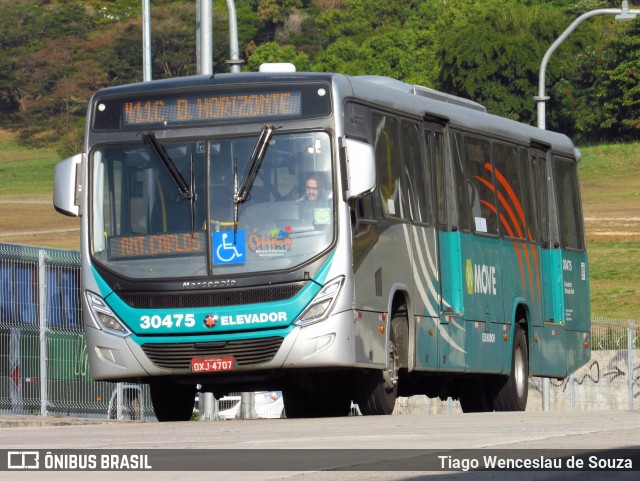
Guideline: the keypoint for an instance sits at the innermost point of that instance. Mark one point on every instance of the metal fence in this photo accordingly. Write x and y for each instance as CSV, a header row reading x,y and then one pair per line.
x,y
43,358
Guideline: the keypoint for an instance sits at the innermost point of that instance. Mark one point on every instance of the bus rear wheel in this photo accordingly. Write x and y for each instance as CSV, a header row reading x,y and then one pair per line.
x,y
376,391
512,392
171,401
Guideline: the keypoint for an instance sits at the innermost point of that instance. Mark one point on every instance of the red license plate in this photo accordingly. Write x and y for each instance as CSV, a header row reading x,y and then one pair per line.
x,y
213,364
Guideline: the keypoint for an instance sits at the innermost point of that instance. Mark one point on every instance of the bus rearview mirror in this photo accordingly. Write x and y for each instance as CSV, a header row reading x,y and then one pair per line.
x,y
361,167
67,188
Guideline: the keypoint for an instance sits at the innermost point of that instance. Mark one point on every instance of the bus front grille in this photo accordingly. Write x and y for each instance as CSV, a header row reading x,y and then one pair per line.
x,y
245,352
212,298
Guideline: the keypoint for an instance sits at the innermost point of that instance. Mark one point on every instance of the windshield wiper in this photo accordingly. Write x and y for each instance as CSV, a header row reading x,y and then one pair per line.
x,y
241,192
185,189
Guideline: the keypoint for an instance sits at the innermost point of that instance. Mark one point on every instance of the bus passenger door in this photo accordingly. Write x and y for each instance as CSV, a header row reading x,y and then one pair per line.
x,y
548,357
417,152
449,321
482,253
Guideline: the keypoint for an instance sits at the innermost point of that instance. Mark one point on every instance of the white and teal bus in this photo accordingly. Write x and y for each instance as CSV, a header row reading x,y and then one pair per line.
x,y
443,252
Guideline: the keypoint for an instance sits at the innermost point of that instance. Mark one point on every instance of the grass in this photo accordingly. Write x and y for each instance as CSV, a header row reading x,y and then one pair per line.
x,y
27,215
609,175
610,180
615,278
25,173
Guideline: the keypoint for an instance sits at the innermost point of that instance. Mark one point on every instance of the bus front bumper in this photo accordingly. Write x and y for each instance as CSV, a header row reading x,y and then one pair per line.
x,y
326,344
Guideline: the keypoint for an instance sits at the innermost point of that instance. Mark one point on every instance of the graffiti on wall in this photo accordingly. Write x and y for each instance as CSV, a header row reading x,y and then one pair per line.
x,y
606,369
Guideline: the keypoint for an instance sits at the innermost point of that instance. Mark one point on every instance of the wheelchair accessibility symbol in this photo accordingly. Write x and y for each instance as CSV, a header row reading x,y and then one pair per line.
x,y
225,251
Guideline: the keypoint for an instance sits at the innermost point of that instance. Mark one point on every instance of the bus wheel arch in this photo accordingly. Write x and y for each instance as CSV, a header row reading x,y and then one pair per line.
x,y
375,391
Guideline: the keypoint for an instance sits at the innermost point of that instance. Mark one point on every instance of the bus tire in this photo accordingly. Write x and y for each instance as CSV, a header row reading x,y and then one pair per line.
x,y
376,391
475,396
297,402
512,392
171,401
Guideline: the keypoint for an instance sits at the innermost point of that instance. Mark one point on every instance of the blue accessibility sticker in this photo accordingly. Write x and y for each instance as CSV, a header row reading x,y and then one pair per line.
x,y
229,248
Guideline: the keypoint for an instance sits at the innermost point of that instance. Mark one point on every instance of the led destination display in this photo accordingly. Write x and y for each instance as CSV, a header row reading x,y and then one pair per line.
x,y
213,105
271,105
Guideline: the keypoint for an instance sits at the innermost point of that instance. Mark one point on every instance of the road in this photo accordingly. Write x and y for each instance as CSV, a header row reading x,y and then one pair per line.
x,y
482,433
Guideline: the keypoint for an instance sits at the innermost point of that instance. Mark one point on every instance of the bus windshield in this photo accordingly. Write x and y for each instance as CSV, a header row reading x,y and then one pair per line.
x,y
144,226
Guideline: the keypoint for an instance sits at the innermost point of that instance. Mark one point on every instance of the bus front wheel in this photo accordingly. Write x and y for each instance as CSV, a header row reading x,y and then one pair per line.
x,y
376,391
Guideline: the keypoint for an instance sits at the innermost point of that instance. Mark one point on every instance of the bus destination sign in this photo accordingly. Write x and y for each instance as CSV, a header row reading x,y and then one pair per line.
x,y
176,108
206,108
176,244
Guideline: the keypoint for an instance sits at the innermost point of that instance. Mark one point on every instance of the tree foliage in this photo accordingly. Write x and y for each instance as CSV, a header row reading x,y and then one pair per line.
x,y
601,97
54,54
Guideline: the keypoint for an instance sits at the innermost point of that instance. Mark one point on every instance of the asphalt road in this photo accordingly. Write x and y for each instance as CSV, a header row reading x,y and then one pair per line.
x,y
596,433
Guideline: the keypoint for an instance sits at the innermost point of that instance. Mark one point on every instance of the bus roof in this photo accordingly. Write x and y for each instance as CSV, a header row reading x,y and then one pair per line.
x,y
418,101
458,112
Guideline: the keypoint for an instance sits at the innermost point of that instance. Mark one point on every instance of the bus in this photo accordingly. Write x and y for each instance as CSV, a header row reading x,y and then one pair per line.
x,y
443,252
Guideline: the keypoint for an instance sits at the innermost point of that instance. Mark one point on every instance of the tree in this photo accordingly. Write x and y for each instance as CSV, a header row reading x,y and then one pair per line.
x,y
20,33
495,58
42,78
54,54
603,91
274,52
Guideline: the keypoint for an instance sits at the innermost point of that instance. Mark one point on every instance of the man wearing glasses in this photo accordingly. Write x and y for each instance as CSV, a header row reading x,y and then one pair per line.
x,y
312,190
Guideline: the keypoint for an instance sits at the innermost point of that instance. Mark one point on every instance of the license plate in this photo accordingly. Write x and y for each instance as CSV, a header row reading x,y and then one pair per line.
x,y
213,364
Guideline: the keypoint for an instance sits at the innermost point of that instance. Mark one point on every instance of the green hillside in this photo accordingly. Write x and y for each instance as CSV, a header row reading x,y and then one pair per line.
x,y
55,54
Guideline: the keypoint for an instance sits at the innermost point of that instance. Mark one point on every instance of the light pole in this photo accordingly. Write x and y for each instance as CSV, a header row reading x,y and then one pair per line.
x,y
622,14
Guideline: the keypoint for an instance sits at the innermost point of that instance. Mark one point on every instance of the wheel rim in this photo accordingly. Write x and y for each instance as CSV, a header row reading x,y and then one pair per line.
x,y
518,372
390,375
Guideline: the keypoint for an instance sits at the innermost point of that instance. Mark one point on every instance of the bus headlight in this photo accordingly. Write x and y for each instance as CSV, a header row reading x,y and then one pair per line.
x,y
322,304
104,316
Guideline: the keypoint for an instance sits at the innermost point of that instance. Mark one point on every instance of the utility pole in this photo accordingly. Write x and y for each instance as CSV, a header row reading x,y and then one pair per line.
x,y
146,41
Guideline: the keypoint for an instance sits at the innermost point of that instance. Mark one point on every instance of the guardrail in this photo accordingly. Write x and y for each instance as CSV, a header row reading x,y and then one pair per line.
x,y
43,358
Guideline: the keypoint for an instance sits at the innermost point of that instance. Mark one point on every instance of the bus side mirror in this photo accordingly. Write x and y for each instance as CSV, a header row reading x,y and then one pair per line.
x,y
361,167
68,186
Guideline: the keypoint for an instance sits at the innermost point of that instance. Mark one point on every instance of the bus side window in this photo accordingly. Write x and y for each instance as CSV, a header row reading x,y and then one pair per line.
x,y
539,167
462,184
527,195
362,211
480,186
512,203
569,215
419,192
435,161
364,228
388,165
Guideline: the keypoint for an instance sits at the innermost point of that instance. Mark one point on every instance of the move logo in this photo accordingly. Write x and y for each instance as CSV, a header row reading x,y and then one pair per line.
x,y
480,279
